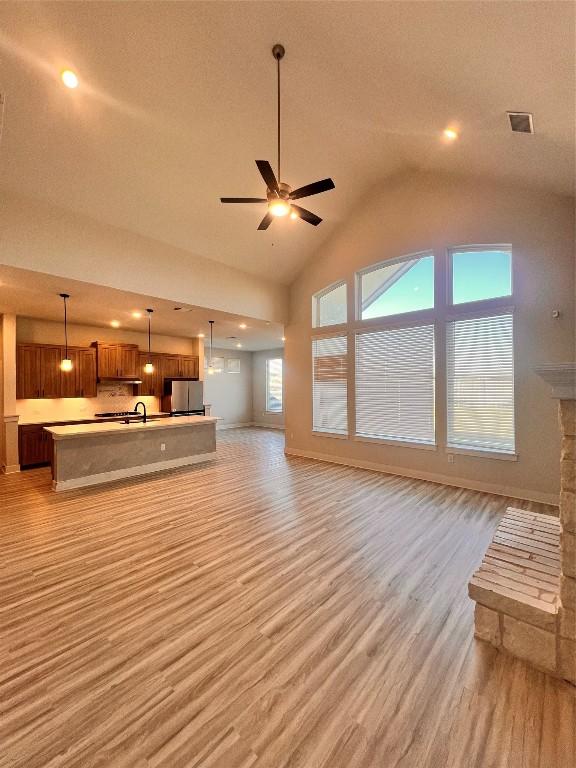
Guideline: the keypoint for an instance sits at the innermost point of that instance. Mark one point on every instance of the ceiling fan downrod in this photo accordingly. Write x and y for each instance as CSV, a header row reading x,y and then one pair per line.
x,y
278,51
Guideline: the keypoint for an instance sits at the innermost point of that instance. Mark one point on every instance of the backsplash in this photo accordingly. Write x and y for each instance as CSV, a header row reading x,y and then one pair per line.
x,y
114,396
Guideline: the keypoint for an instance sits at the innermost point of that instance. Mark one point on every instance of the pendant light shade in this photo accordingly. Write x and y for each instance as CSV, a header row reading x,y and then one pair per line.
x,y
66,363
148,367
210,370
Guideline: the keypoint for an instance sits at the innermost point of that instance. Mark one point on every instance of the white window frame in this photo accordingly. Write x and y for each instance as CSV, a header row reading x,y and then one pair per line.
x,y
316,306
268,410
480,303
333,334
389,263
469,314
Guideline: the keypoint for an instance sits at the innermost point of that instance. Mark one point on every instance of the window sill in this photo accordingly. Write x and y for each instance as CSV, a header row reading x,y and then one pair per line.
x,y
273,413
396,443
483,454
316,433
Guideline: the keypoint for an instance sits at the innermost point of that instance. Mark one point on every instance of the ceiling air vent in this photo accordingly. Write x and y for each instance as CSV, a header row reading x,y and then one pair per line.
x,y
521,122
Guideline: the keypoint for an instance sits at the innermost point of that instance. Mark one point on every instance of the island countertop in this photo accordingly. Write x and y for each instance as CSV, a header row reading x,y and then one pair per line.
x,y
115,427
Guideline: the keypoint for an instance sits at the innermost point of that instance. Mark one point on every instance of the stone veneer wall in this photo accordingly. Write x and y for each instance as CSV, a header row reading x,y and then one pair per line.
x,y
567,611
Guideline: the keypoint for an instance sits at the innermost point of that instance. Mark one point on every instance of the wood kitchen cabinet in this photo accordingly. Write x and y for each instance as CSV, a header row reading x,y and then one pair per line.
x,y
116,361
81,380
151,382
27,371
38,373
35,445
179,366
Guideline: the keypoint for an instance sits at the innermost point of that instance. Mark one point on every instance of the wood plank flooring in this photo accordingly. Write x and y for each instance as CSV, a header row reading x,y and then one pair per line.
x,y
259,612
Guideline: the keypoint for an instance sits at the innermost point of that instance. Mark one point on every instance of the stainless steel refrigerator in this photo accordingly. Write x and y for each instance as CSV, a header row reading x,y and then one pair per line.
x,y
186,396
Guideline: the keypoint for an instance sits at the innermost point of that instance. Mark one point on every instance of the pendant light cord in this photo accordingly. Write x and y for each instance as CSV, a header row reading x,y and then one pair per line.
x,y
149,319
211,324
66,327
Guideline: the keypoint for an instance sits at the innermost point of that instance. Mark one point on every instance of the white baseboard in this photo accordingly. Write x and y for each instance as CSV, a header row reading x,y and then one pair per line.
x,y
121,474
267,426
498,490
236,425
10,469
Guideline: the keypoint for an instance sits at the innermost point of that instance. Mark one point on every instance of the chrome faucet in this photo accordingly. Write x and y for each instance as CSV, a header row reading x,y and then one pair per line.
x,y
144,407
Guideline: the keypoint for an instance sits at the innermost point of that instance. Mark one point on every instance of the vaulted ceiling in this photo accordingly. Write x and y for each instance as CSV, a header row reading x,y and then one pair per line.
x,y
177,100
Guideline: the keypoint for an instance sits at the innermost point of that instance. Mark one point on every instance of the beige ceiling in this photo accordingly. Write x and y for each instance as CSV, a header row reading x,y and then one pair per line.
x,y
33,294
177,100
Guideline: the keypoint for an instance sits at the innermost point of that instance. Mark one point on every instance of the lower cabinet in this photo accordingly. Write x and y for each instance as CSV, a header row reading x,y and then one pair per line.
x,y
35,445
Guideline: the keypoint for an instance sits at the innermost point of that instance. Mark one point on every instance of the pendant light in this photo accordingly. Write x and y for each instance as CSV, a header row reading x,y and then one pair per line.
x,y
149,368
65,363
210,370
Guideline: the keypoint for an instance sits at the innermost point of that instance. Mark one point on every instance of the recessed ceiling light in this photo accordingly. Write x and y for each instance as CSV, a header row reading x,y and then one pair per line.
x,y
137,314
115,323
69,78
239,346
242,325
201,335
450,134
283,338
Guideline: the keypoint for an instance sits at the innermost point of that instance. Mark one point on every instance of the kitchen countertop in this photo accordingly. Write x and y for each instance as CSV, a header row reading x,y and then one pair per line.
x,y
114,427
86,419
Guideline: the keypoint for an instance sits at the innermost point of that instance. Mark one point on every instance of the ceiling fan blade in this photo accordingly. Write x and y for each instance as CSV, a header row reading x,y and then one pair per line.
x,y
268,175
266,221
312,189
243,200
308,216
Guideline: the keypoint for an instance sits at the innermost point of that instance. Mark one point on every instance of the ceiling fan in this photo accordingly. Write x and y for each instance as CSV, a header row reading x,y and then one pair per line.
x,y
280,196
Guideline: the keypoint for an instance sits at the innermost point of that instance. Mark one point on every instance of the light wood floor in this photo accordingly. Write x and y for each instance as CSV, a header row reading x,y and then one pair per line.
x,y
260,611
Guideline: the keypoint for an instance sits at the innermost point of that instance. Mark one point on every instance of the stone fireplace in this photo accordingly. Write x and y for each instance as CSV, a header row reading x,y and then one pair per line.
x,y
525,587
562,379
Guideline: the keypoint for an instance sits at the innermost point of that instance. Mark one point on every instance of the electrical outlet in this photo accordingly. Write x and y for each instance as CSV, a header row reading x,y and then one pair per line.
x,y
450,458
162,446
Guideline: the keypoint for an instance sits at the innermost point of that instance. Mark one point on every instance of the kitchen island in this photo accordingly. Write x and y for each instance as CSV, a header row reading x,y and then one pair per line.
x,y
90,454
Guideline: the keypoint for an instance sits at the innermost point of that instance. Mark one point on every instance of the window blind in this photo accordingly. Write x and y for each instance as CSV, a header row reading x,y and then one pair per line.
x,y
480,373
395,384
330,385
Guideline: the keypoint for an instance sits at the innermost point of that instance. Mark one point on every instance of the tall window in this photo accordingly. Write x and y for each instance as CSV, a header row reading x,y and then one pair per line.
x,y
480,362
398,316
329,307
274,385
395,384
330,385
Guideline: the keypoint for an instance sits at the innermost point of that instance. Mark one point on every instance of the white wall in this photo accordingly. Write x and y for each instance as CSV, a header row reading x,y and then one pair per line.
x,y
42,237
260,415
230,394
423,211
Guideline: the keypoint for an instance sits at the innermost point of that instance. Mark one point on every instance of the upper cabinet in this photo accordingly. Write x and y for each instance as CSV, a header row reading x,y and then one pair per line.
x,y
81,380
151,382
38,373
116,361
179,367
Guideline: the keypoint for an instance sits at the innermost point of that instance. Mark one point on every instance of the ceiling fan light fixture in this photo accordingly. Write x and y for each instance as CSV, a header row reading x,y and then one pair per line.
x,y
279,207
